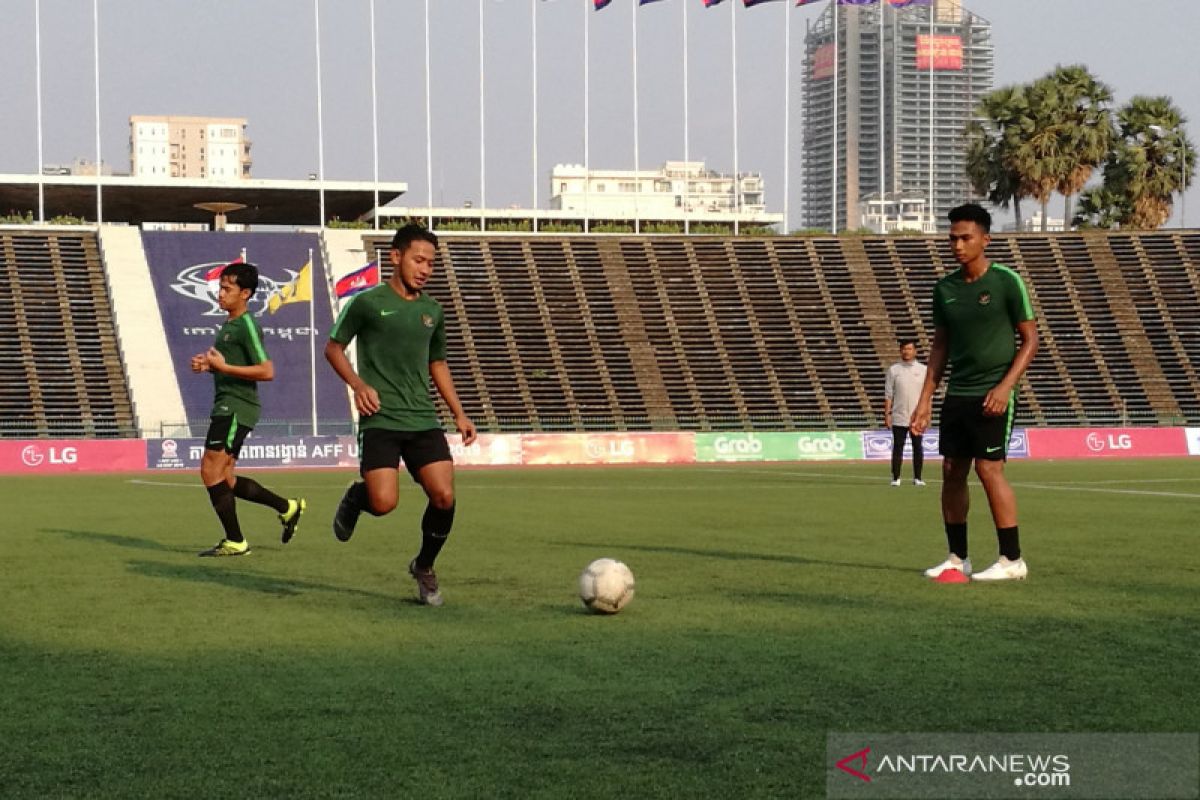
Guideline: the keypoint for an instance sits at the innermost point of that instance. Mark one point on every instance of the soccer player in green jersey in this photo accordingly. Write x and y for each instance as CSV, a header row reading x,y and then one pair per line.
x,y
237,361
401,345
976,310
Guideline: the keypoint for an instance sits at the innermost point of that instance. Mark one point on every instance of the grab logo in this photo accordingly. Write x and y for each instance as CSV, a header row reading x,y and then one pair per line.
x,y
810,445
742,446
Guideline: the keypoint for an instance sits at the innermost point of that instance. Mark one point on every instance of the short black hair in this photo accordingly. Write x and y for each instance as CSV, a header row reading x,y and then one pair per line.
x,y
908,341
971,212
411,233
243,274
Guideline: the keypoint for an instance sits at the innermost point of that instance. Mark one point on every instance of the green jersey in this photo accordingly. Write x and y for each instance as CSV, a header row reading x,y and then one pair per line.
x,y
980,320
397,340
240,341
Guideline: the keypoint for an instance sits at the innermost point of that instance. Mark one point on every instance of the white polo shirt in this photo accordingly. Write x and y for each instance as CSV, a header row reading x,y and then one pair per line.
x,y
903,388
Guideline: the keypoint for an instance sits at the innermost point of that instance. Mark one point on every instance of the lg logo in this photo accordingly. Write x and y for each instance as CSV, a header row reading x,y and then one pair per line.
x,y
32,455
1098,443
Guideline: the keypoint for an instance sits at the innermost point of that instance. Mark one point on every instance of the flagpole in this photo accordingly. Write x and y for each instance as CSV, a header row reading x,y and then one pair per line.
x,y
882,156
374,121
320,113
687,180
929,46
587,104
836,65
312,339
428,129
737,186
787,97
96,73
482,149
637,173
37,50
534,36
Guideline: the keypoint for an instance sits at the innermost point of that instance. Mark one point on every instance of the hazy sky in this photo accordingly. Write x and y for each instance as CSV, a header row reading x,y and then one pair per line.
x,y
257,59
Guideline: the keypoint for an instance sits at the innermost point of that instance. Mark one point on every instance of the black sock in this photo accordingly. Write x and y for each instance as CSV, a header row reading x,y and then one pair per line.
x,y
956,537
255,492
359,496
435,527
1010,542
224,503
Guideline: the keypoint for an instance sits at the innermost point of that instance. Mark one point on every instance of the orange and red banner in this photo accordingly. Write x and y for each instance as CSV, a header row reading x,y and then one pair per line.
x,y
945,50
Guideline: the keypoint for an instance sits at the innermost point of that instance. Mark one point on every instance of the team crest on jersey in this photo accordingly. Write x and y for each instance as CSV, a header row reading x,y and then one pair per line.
x,y
985,298
191,283
427,320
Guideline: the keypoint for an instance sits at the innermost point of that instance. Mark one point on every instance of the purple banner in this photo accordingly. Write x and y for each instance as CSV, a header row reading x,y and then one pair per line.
x,y
259,451
179,262
877,445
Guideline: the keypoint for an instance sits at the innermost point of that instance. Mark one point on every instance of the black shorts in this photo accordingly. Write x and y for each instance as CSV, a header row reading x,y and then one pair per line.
x,y
226,435
383,449
965,432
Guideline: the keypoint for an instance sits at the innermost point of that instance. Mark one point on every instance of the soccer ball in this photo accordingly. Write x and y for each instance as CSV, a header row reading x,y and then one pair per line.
x,y
606,586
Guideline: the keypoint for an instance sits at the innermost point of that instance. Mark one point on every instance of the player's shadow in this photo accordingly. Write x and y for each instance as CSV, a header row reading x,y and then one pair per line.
x,y
246,581
133,542
736,555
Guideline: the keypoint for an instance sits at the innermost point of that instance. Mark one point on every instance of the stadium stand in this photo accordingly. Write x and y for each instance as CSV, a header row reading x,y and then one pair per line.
x,y
561,333
60,368
705,333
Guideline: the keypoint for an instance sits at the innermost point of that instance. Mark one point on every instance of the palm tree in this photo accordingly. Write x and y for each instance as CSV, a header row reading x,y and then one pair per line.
x,y
1040,155
1101,207
1150,159
1086,127
990,141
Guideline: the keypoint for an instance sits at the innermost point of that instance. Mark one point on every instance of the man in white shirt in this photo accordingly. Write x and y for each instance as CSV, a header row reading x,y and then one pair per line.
x,y
902,390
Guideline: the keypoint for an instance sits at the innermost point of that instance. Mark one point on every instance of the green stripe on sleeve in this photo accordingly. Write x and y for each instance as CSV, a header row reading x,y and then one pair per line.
x,y
256,344
1026,304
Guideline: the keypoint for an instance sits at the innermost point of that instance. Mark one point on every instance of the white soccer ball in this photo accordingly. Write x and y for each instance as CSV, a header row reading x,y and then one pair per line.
x,y
606,586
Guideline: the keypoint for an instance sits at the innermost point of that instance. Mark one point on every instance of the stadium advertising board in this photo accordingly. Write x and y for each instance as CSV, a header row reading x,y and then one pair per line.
x,y
805,446
1193,441
877,445
488,450
68,455
1107,442
258,451
945,51
182,267
607,448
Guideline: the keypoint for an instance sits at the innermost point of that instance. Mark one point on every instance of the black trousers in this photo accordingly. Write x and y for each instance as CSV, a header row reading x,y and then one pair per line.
x,y
899,434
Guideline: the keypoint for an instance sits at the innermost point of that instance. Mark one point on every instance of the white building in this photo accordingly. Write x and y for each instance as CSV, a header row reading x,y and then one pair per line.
x,y
189,147
679,189
897,213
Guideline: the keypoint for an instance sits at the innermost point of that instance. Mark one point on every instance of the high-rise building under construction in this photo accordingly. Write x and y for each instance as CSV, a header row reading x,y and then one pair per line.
x,y
904,76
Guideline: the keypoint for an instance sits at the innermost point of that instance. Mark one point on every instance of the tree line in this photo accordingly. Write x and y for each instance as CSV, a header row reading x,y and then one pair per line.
x,y
1031,140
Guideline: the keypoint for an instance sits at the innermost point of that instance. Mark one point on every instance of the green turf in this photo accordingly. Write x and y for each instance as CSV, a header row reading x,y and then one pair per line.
x,y
774,604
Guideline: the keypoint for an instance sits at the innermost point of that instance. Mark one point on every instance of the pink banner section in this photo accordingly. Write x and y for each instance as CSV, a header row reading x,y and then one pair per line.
x,y
1107,442
42,457
608,448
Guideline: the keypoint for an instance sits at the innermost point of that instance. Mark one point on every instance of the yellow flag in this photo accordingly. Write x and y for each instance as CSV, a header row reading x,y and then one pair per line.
x,y
297,290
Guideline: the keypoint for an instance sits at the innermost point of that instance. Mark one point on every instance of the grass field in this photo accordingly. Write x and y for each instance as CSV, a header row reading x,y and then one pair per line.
x,y
775,604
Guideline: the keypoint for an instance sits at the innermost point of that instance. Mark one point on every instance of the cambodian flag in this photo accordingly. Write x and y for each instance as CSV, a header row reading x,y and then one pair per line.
x,y
358,281
711,3
600,3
